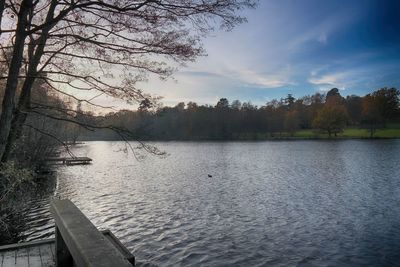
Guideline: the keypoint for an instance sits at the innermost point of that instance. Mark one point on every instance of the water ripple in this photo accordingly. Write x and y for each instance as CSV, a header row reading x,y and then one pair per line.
x,y
300,203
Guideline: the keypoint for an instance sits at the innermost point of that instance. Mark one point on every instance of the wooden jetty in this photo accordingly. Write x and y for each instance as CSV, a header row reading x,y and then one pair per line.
x,y
69,161
77,243
31,254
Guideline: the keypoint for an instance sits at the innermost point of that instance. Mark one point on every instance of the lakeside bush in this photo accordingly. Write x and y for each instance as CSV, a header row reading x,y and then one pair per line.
x,y
15,186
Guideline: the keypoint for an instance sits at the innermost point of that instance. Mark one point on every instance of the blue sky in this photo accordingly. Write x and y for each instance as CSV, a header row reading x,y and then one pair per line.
x,y
297,47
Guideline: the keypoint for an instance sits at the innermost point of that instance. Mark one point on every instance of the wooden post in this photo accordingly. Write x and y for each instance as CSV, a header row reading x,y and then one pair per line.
x,y
63,256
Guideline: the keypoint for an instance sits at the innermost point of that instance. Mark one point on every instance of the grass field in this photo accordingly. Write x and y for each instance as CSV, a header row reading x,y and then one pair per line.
x,y
351,133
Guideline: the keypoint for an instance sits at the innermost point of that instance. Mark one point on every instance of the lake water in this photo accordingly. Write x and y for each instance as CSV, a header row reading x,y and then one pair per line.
x,y
278,203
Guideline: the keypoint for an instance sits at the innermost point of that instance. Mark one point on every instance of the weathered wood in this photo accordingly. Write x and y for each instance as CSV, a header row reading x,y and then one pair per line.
x,y
42,253
77,161
47,255
70,161
116,243
24,255
53,251
21,258
26,244
9,258
86,244
34,257
77,243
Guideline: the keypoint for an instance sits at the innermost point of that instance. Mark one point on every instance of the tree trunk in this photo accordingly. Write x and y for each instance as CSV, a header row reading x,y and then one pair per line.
x,y
20,114
2,4
17,123
13,73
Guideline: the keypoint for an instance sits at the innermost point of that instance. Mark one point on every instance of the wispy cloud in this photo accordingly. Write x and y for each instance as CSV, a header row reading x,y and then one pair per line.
x,y
322,30
264,80
245,77
328,81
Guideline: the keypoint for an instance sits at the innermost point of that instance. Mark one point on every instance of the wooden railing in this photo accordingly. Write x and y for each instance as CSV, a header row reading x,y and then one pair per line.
x,y
79,243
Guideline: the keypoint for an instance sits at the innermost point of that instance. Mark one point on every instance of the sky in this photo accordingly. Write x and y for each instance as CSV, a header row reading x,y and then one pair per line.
x,y
292,46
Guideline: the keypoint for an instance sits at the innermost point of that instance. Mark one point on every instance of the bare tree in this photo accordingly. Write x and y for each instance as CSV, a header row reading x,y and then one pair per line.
x,y
106,46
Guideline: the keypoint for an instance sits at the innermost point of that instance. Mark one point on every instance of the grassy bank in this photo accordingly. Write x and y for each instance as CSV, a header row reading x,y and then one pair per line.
x,y
351,133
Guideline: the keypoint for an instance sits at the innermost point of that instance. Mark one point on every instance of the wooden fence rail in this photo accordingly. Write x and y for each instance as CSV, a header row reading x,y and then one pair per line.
x,y
79,243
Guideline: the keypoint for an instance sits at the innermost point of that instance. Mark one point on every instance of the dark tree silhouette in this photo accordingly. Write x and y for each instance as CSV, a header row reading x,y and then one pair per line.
x,y
379,107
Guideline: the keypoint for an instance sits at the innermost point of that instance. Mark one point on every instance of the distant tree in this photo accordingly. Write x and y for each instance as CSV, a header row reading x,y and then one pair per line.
x,y
222,119
334,92
246,106
317,102
292,121
223,103
236,105
180,106
317,98
388,101
331,119
333,97
372,118
289,101
273,114
303,114
379,107
353,105
235,121
273,103
192,106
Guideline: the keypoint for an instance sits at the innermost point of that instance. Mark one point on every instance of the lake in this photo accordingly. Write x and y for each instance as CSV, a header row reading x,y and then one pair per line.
x,y
274,203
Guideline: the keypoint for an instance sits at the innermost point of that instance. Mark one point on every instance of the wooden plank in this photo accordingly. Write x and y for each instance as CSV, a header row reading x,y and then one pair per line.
x,y
26,244
69,161
21,258
47,255
9,259
53,249
116,243
34,257
86,244
42,253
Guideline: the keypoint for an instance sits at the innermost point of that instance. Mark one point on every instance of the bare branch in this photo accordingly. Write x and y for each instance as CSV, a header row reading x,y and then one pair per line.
x,y
53,137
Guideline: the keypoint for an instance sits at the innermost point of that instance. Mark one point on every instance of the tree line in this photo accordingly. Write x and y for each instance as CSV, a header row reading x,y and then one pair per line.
x,y
326,113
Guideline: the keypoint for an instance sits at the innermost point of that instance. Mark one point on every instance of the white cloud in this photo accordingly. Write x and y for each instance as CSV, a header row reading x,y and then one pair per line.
x,y
264,80
236,73
328,81
331,79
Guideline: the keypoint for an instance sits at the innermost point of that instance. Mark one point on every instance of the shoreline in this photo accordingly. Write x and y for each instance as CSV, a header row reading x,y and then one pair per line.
x,y
241,140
